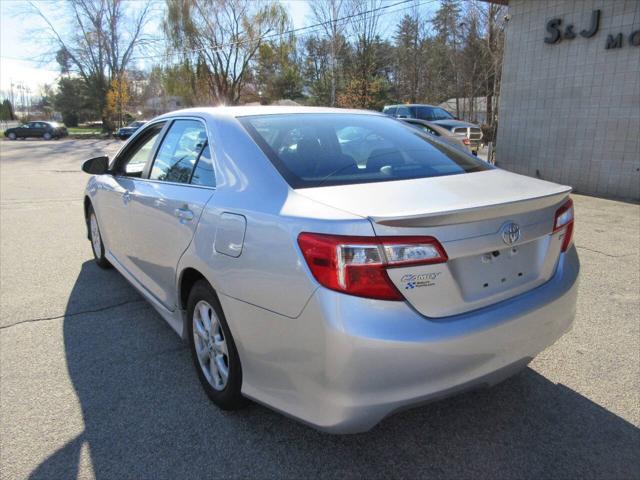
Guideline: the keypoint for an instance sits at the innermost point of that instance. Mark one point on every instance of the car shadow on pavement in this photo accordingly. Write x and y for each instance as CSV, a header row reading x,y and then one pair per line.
x,y
145,416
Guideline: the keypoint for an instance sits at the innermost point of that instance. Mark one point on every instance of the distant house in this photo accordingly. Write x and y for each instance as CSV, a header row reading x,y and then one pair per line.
x,y
471,109
158,105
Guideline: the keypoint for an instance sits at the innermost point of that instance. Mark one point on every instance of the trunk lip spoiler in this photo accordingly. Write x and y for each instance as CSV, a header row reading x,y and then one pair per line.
x,y
474,214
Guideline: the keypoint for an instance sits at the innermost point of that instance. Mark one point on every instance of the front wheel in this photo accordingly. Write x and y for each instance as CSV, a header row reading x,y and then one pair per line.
x,y
213,349
96,240
12,136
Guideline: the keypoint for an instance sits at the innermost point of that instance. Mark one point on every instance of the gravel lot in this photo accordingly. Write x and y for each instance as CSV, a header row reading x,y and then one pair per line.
x,y
93,384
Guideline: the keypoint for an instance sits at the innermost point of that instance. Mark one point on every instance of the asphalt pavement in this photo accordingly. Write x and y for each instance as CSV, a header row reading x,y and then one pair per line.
x,y
94,384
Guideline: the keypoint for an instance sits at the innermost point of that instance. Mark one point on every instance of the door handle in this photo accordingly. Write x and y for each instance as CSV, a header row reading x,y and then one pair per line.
x,y
183,214
126,197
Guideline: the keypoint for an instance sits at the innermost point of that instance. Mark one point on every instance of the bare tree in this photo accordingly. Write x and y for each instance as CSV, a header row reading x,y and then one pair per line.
x,y
329,13
492,16
223,36
98,41
365,19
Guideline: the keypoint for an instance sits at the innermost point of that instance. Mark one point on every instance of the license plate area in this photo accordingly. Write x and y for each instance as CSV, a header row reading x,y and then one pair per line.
x,y
500,270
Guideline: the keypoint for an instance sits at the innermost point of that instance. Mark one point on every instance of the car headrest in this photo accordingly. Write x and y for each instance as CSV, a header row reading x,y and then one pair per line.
x,y
381,157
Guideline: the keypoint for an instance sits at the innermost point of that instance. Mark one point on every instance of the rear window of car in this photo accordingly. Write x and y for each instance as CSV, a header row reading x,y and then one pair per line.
x,y
312,150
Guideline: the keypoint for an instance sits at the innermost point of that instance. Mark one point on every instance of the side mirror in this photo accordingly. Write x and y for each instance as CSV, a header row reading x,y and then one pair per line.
x,y
96,165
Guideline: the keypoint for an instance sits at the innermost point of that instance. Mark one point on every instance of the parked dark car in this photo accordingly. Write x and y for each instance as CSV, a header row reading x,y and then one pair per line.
x,y
46,130
439,116
125,132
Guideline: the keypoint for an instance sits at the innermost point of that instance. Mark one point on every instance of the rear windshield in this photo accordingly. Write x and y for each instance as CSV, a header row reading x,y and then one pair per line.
x,y
312,150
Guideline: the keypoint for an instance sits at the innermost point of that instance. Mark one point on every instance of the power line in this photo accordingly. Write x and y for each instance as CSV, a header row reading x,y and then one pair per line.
x,y
309,29
313,28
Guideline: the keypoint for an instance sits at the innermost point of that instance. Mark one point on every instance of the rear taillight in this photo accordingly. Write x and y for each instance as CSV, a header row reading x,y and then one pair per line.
x,y
357,265
564,220
466,141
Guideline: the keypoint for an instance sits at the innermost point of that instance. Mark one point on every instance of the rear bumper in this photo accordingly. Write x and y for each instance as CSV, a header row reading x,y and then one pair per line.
x,y
346,362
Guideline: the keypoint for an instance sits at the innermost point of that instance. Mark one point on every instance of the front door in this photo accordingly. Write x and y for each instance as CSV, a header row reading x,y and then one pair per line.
x,y
166,205
113,205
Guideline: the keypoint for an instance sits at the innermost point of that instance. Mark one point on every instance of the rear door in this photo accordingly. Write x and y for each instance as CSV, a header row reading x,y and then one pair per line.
x,y
37,129
166,205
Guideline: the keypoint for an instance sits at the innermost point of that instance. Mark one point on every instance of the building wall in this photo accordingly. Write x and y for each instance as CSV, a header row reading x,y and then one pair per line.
x,y
570,111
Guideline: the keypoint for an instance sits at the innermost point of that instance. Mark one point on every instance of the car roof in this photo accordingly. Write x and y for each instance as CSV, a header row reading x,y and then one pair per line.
x,y
412,105
244,111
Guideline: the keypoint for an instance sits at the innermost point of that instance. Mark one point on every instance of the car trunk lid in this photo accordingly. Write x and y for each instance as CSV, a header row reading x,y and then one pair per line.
x,y
496,228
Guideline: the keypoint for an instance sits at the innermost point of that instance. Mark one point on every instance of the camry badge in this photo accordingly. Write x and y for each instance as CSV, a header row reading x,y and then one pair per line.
x,y
510,233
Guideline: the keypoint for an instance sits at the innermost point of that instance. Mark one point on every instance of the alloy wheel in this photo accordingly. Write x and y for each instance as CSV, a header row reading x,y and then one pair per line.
x,y
211,345
96,242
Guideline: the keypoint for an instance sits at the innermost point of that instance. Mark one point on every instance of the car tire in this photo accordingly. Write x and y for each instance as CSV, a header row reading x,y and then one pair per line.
x,y
213,349
97,246
46,136
12,136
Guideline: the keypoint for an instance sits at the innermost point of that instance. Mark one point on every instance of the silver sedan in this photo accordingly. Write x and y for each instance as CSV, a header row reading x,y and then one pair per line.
x,y
334,265
438,131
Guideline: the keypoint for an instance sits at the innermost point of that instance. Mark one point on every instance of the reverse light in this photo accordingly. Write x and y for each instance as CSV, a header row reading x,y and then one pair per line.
x,y
357,265
564,219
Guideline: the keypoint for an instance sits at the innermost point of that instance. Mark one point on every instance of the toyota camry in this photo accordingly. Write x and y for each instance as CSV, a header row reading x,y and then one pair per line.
x,y
334,265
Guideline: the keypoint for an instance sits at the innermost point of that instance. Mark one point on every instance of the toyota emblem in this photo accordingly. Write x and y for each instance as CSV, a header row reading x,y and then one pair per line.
x,y
511,233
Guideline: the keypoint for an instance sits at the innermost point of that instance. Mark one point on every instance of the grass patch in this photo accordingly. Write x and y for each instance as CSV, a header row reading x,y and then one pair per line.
x,y
84,131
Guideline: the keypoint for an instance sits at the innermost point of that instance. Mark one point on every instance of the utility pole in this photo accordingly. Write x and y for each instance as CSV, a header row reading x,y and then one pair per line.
x,y
456,66
11,94
28,90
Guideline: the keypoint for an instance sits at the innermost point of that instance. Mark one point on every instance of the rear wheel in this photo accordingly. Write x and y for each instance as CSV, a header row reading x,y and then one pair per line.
x,y
96,240
46,136
213,349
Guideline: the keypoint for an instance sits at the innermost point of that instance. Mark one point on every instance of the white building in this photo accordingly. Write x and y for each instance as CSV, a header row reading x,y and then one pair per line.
x,y
570,97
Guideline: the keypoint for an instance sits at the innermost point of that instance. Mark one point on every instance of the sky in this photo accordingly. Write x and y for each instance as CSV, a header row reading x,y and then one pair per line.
x,y
21,59
21,54
18,52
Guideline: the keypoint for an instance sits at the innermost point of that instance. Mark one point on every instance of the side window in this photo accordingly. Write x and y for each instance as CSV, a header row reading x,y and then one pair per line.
x,y
178,152
136,157
390,110
425,113
204,174
403,112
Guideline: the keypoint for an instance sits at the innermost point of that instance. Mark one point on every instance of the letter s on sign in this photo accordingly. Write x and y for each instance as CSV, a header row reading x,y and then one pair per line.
x,y
553,27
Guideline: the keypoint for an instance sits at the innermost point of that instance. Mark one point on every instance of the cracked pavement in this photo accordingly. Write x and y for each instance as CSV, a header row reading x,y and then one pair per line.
x,y
93,383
